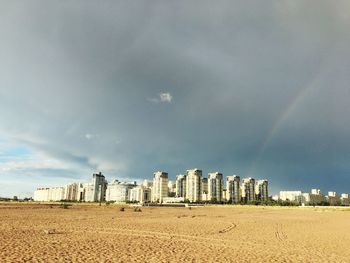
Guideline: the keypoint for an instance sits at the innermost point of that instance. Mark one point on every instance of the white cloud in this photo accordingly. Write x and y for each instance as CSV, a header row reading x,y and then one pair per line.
x,y
162,97
35,161
165,97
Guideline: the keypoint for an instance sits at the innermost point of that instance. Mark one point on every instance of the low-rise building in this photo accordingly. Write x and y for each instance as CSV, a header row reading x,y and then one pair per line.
x,y
118,191
171,200
293,196
344,199
41,194
313,199
140,194
49,194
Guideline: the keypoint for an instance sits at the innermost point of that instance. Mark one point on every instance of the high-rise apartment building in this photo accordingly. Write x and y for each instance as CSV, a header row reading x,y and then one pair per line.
x,y
205,185
261,190
171,189
232,189
160,186
248,189
180,185
96,190
205,189
194,185
215,182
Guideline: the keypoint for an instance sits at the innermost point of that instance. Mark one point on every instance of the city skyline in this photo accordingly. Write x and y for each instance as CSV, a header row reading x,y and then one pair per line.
x,y
259,90
190,187
180,186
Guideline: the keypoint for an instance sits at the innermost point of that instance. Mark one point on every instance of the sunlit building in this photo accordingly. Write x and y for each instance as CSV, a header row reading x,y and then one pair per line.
x,y
261,190
205,196
71,192
232,189
140,194
41,194
248,189
171,189
56,194
118,191
49,194
160,186
315,191
344,199
147,183
96,190
205,185
215,183
333,198
293,196
81,192
180,185
313,198
194,185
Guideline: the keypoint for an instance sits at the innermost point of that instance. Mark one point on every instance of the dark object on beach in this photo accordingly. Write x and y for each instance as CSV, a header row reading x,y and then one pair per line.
x,y
137,209
65,206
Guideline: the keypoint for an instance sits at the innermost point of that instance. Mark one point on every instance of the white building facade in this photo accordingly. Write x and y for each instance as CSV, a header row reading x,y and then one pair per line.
x,y
293,196
248,189
215,183
233,194
140,194
160,186
194,185
261,190
118,191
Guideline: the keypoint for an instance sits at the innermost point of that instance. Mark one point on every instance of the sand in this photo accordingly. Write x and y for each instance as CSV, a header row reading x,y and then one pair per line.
x,y
89,233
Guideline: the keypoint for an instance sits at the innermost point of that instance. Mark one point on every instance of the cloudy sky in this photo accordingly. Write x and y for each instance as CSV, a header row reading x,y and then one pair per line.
x,y
257,88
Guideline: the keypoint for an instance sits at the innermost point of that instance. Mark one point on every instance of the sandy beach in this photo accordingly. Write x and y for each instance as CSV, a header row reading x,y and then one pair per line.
x,y
89,233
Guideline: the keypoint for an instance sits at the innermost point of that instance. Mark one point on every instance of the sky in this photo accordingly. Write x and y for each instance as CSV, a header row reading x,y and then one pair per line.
x,y
257,89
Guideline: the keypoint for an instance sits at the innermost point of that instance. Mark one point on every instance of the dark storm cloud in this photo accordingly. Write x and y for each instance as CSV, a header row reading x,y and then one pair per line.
x,y
258,88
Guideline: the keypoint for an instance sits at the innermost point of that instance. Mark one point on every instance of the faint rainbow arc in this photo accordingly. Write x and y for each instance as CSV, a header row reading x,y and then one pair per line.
x,y
300,97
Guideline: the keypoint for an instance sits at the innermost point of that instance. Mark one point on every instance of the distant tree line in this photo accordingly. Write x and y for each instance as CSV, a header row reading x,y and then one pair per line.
x,y
15,199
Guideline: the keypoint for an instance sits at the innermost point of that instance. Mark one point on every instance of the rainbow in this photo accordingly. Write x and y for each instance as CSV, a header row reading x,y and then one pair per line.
x,y
301,96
